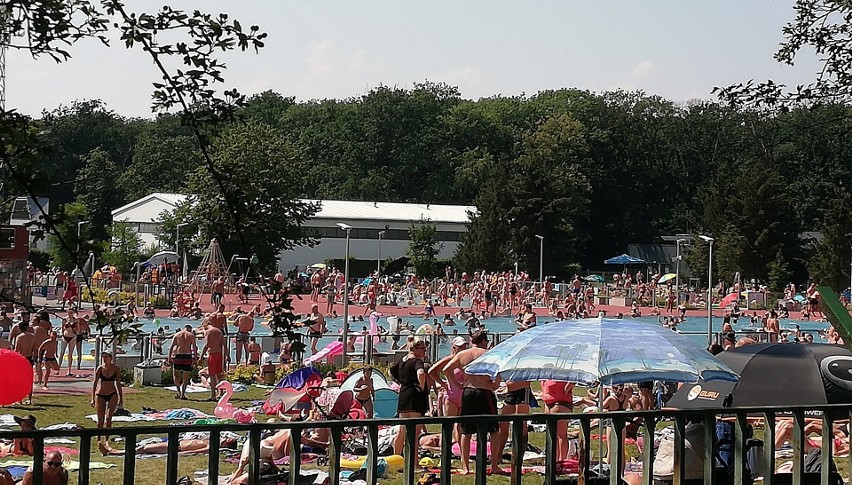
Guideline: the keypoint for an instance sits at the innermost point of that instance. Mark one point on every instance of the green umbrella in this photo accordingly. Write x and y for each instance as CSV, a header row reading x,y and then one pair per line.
x,y
595,278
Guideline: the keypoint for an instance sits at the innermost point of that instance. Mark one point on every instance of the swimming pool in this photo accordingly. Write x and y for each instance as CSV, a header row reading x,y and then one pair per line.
x,y
694,327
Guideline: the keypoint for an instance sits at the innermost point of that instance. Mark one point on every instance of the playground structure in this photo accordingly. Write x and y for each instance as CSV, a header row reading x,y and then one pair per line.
x,y
211,268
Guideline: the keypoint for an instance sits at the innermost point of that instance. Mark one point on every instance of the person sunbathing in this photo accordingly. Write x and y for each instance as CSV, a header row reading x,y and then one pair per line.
x,y
185,446
20,446
278,446
784,433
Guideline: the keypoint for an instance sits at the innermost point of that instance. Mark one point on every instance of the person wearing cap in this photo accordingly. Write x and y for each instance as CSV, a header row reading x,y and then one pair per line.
x,y
53,472
449,395
477,398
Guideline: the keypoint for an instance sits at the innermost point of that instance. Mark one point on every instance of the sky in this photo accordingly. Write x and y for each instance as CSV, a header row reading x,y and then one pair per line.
x,y
320,49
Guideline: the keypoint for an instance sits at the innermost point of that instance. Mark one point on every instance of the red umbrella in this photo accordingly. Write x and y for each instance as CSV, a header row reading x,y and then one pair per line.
x,y
16,377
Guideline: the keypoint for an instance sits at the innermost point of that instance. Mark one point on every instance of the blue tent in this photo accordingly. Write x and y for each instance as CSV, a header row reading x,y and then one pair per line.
x,y
624,259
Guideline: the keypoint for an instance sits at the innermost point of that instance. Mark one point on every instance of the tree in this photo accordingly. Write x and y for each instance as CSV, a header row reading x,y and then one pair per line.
x,y
779,273
66,230
263,175
423,248
125,248
96,188
160,164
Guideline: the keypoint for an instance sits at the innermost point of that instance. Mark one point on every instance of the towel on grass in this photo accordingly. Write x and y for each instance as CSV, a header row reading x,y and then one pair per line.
x,y
167,415
198,388
72,466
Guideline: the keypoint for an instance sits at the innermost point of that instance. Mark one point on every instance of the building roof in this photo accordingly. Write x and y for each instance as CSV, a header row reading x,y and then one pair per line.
x,y
395,211
172,200
329,209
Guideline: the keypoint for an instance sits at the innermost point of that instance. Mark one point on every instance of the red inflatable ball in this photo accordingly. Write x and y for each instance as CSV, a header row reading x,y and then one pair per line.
x,y
16,377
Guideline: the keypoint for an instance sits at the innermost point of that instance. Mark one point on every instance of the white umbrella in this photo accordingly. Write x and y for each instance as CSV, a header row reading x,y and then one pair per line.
x,y
163,257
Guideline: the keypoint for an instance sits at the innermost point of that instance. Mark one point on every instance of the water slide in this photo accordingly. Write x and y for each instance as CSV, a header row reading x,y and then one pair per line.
x,y
839,315
326,353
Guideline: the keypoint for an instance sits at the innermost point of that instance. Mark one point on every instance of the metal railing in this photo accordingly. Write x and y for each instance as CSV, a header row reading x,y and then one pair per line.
x,y
340,433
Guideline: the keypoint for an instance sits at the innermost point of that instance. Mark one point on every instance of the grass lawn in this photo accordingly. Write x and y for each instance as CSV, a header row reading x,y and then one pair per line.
x,y
59,409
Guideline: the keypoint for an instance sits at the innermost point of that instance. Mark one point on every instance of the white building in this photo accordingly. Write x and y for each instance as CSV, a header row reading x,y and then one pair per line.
x,y
142,214
365,218
24,211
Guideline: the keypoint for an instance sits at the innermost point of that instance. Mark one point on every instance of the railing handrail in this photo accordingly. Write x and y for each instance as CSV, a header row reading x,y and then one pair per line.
x,y
336,427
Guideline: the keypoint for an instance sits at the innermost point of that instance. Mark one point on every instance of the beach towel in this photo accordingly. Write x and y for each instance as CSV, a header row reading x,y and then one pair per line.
x,y
8,420
71,467
198,388
47,449
17,472
182,414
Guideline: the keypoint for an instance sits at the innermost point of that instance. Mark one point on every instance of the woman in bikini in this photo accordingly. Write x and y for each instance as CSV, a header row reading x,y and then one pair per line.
x,y
449,395
106,396
70,329
558,398
365,393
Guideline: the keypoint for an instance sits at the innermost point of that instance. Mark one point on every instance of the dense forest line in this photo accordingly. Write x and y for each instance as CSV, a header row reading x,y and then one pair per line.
x,y
591,172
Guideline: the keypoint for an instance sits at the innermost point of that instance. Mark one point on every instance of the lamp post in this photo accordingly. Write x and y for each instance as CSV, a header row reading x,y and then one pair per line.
x,y
177,237
677,270
541,261
79,270
379,256
177,246
348,229
709,290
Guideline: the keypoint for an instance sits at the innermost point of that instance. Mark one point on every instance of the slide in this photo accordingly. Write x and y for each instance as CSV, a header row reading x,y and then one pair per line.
x,y
837,314
326,353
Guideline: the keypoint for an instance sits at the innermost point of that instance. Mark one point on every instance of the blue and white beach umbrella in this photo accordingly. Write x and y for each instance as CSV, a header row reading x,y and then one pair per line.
x,y
609,350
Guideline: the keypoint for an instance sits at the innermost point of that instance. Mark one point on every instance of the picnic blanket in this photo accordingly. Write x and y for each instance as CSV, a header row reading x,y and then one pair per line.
x,y
47,449
72,466
198,388
182,414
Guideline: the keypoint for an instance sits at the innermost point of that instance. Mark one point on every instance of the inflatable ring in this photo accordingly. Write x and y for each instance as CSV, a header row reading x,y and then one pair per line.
x,y
357,462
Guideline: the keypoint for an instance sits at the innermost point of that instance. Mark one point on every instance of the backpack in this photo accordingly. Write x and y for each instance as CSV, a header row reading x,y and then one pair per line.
x,y
723,449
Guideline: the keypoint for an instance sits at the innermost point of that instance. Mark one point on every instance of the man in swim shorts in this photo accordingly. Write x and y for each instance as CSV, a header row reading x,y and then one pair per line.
x,y
477,398
25,344
245,324
214,348
182,355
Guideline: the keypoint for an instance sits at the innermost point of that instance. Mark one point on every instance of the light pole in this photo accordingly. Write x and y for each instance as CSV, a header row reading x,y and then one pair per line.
x,y
379,256
541,261
709,290
348,229
79,225
677,270
177,247
177,237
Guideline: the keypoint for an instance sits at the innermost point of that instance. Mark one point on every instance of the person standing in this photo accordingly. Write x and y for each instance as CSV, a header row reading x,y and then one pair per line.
x,y
365,393
53,472
214,349
24,344
217,290
477,398
410,372
558,398
449,395
245,324
47,357
106,395
182,355
317,327
83,332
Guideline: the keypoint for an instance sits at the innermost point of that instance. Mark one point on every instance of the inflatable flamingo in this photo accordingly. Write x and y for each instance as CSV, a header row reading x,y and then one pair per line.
x,y
224,408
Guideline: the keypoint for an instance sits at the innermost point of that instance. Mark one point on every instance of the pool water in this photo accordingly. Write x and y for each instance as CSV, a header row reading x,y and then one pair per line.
x,y
694,327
